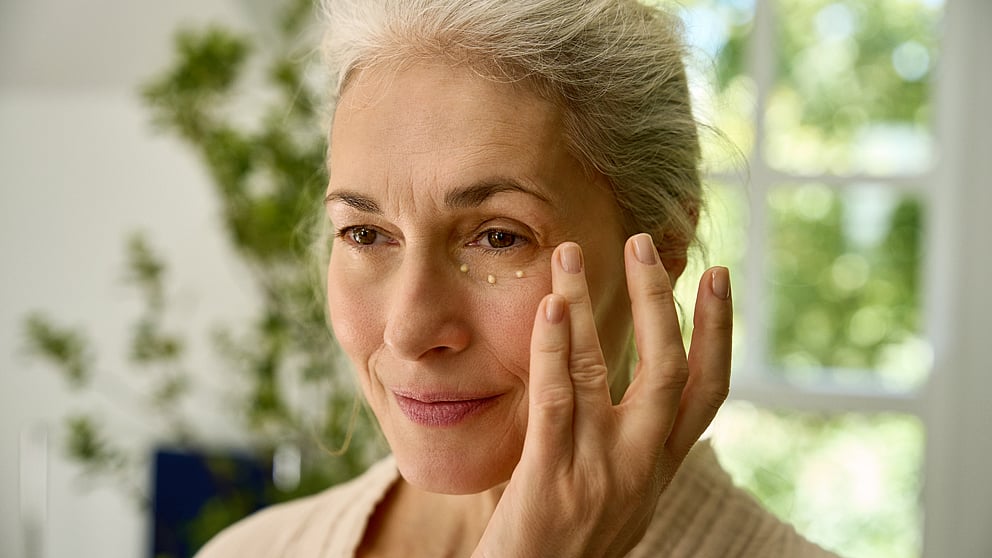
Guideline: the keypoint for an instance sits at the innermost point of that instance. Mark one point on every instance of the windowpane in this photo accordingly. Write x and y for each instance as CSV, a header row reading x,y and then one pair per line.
x,y
851,93
850,482
722,236
843,269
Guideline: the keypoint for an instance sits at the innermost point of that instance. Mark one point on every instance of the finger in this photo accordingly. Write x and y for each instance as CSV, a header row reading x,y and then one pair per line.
x,y
586,362
551,402
662,371
709,360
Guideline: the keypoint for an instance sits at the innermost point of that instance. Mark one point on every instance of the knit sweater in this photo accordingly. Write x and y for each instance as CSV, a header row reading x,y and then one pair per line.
x,y
700,514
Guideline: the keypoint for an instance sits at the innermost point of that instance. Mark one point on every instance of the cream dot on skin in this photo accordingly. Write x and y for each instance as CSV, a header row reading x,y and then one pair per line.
x,y
519,274
491,279
463,268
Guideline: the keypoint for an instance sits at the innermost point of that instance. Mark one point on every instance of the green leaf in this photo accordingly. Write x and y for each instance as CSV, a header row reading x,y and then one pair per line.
x,y
66,348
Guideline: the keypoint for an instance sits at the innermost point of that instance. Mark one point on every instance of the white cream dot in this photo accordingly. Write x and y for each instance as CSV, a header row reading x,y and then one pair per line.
x,y
519,274
463,268
491,279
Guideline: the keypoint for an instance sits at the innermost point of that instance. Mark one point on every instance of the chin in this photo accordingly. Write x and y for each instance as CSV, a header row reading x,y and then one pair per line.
x,y
455,472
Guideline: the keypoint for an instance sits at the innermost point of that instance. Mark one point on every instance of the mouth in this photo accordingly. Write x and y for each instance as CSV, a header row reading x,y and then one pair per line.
x,y
438,410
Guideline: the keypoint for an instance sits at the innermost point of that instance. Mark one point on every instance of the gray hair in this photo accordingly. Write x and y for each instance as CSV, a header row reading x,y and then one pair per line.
x,y
615,67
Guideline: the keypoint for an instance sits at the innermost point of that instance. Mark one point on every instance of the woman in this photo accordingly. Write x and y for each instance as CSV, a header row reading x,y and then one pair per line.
x,y
513,188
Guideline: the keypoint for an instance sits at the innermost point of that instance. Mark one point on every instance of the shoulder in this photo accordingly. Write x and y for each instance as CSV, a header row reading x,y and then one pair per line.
x,y
702,513
316,525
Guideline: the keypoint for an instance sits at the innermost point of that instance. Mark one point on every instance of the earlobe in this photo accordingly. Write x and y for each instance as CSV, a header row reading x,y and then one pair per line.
x,y
674,265
674,247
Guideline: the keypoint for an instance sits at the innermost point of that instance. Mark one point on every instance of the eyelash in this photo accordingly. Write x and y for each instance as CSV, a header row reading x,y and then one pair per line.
x,y
520,240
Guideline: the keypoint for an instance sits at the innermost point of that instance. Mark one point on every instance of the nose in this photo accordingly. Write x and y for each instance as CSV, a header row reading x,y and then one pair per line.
x,y
427,312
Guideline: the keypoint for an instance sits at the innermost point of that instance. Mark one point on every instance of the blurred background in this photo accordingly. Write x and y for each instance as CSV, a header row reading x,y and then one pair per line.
x,y
164,368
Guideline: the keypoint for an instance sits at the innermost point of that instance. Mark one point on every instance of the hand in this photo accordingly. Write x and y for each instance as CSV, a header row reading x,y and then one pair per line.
x,y
591,472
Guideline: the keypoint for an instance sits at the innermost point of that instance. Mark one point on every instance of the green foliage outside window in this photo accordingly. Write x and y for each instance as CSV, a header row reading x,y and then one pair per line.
x,y
852,86
845,293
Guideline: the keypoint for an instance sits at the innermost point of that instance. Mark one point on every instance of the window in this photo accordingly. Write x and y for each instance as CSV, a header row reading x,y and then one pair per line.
x,y
831,104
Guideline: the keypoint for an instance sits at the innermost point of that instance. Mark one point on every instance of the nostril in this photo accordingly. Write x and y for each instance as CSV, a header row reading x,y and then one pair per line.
x,y
421,342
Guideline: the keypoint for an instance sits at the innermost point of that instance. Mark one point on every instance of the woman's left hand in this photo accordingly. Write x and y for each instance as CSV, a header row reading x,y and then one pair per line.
x,y
591,472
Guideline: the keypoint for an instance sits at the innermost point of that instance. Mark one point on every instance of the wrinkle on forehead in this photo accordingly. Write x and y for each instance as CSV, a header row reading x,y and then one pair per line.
x,y
410,157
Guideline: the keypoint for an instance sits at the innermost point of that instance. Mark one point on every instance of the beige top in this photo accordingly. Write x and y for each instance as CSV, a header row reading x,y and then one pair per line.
x,y
700,514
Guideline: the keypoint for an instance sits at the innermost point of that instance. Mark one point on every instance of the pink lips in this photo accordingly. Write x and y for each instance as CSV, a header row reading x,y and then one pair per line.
x,y
430,410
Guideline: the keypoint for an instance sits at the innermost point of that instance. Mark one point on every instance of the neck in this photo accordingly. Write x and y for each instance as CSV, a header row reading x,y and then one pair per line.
x,y
414,522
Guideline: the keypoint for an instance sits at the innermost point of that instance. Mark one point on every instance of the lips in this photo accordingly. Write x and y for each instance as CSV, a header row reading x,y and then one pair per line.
x,y
437,410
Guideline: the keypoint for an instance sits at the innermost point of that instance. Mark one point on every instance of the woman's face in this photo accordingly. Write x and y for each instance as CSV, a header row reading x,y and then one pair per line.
x,y
448,194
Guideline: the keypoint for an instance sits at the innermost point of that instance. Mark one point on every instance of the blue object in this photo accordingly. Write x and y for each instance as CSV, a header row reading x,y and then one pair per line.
x,y
196,494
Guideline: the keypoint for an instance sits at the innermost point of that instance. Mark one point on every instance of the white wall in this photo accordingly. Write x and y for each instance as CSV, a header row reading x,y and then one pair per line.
x,y
958,494
80,169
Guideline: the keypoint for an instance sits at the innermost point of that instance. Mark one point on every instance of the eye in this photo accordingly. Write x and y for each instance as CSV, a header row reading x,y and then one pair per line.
x,y
363,235
500,239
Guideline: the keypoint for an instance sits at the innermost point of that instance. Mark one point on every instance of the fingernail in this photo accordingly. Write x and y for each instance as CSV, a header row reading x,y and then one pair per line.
x,y
644,249
571,258
554,309
721,282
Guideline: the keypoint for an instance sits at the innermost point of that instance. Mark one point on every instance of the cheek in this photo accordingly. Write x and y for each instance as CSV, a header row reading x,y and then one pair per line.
x,y
506,320
352,307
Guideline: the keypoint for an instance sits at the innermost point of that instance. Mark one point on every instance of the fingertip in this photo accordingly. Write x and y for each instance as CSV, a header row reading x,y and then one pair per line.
x,y
642,254
720,282
714,304
644,249
569,256
554,308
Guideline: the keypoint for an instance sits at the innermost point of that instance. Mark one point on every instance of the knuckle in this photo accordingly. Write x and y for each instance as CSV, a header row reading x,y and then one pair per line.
x,y
658,292
579,303
587,366
553,401
552,350
715,396
588,359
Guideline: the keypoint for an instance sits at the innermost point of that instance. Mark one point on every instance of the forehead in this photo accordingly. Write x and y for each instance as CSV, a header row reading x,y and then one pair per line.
x,y
432,95
438,119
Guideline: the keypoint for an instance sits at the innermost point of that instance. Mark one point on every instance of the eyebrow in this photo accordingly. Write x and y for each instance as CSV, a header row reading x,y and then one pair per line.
x,y
476,194
468,197
355,200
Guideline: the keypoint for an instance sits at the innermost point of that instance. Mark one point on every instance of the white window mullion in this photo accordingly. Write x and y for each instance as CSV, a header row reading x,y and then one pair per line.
x,y
910,182
825,398
761,66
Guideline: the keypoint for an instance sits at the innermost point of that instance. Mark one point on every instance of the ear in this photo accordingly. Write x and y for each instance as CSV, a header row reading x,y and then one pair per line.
x,y
675,265
674,247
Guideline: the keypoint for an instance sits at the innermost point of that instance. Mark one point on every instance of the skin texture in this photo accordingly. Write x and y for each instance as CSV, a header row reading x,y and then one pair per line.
x,y
433,169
